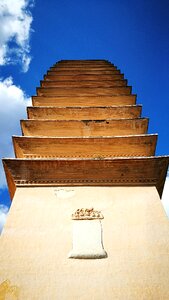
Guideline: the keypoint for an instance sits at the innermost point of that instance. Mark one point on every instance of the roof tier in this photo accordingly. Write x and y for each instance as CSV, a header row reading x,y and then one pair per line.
x,y
106,127
87,101
147,171
62,147
83,112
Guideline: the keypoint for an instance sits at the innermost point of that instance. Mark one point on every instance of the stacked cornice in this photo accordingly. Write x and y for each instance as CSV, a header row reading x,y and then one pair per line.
x,y
85,128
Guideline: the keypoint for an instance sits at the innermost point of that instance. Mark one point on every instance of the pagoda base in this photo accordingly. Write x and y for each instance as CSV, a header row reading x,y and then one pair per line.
x,y
37,239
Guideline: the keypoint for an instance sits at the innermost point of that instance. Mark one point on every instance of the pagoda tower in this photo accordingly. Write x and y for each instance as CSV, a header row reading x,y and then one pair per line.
x,y
86,220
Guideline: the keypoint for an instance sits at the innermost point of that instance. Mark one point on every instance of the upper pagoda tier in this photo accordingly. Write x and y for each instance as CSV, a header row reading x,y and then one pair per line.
x,y
85,128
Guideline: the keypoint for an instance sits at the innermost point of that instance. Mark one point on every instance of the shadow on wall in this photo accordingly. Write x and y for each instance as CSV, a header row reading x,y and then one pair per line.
x,y
165,196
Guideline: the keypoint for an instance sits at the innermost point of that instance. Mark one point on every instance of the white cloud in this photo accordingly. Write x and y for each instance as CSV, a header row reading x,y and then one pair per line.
x,y
3,215
13,102
165,197
15,29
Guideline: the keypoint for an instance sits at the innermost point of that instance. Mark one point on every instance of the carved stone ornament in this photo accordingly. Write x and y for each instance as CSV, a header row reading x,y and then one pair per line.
x,y
87,214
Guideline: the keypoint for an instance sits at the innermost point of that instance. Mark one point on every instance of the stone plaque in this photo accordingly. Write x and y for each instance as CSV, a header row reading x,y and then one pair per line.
x,y
87,235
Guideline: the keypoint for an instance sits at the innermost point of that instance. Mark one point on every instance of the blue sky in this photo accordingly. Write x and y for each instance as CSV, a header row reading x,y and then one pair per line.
x,y
134,35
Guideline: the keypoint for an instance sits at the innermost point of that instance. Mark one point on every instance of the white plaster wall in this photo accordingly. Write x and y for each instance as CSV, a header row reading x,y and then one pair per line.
x,y
37,238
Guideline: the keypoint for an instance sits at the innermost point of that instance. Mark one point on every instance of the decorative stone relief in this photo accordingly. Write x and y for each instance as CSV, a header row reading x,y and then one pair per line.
x,y
87,234
87,214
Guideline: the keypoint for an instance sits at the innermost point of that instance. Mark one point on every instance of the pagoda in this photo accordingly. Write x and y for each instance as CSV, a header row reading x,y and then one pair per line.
x,y
86,220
